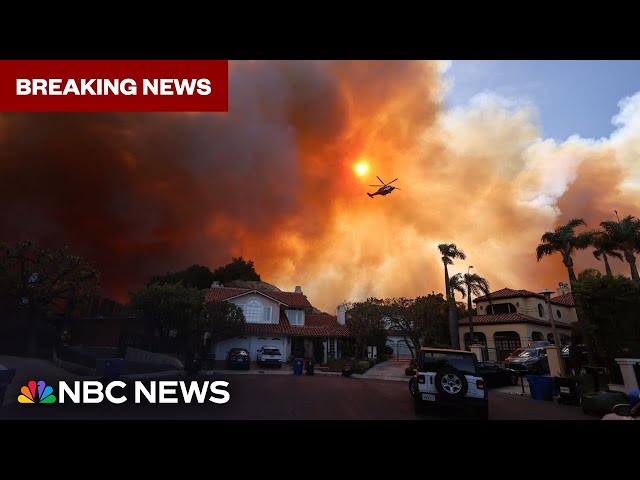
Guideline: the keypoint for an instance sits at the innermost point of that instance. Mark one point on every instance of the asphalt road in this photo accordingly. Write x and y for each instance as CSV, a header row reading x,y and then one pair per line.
x,y
289,397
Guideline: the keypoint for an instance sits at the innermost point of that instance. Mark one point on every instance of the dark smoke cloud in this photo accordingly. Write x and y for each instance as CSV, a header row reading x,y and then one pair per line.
x,y
272,180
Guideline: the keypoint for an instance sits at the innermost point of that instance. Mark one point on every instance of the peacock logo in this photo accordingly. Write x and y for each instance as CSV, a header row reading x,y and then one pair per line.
x,y
44,393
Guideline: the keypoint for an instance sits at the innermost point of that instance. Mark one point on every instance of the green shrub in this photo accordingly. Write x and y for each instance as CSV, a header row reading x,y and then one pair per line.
x,y
408,371
372,362
387,351
361,367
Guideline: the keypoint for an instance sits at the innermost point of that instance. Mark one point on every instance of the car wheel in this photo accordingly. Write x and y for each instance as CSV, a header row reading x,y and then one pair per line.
x,y
452,383
513,379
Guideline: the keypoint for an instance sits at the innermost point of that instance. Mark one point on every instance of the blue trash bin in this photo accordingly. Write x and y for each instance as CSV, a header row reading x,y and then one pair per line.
x,y
297,366
541,387
634,397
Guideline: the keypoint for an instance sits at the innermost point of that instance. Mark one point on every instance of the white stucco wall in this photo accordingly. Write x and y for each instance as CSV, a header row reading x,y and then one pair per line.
x,y
529,306
266,302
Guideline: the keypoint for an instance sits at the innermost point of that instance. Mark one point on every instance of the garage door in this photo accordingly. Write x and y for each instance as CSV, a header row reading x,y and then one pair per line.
x,y
257,342
225,345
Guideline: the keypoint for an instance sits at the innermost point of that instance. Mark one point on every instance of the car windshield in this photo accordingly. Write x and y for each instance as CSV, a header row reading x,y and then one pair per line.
x,y
434,361
271,351
525,353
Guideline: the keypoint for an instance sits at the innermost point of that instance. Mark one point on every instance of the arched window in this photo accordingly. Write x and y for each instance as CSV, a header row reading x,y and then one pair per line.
x,y
550,338
253,311
540,310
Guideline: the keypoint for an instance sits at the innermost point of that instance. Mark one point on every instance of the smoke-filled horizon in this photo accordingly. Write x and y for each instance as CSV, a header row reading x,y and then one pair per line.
x,y
273,181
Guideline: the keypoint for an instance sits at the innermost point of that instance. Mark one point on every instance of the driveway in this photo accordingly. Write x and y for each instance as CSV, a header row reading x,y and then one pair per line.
x,y
387,370
31,369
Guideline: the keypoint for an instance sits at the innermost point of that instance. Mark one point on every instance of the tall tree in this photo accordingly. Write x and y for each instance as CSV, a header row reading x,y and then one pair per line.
x,y
222,320
238,269
43,281
366,324
610,304
626,234
406,320
172,309
449,252
605,247
565,241
196,276
468,284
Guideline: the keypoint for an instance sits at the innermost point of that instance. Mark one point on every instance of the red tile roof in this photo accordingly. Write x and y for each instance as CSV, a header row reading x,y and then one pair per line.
x,y
507,293
315,326
290,299
564,300
505,318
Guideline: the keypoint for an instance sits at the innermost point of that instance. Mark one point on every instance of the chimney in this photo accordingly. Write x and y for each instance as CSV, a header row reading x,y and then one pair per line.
x,y
215,284
342,314
298,289
563,288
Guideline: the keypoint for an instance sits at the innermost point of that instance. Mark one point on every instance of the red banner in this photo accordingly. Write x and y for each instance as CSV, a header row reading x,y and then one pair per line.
x,y
114,85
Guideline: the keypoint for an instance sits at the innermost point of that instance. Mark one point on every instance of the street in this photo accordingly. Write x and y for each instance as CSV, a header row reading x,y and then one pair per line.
x,y
289,397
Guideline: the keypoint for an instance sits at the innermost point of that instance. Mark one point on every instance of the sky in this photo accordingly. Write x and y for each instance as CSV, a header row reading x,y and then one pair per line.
x,y
487,156
571,96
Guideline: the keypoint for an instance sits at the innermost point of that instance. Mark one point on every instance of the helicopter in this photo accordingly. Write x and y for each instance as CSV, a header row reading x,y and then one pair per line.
x,y
385,188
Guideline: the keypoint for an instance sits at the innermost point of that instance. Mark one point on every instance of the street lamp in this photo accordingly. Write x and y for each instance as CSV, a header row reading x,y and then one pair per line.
x,y
547,298
472,339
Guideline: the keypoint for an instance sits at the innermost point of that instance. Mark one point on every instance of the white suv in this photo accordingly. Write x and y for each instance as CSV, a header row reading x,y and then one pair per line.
x,y
448,377
269,356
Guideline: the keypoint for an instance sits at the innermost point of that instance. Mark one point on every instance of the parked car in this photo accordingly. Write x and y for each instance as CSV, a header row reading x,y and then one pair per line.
x,y
623,411
449,377
238,358
528,359
270,356
496,376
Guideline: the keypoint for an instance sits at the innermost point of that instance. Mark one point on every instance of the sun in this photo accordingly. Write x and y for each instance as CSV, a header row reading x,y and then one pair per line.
x,y
361,168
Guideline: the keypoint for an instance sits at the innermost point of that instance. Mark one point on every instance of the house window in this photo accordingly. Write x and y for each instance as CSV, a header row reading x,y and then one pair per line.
x,y
332,348
295,317
558,313
500,308
540,310
256,312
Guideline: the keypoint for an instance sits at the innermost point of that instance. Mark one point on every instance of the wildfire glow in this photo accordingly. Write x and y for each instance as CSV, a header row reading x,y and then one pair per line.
x,y
361,168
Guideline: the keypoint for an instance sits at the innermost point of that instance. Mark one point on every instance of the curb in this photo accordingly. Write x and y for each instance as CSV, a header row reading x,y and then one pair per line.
x,y
379,377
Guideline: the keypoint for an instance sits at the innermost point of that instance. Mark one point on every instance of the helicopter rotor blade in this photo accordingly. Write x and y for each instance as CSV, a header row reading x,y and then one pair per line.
x,y
396,188
381,181
391,182
376,185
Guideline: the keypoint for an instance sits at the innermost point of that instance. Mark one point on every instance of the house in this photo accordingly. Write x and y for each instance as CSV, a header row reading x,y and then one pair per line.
x,y
508,319
285,320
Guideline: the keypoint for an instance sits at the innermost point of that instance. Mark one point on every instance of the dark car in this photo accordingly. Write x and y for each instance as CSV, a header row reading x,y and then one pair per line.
x,y
238,358
496,376
528,359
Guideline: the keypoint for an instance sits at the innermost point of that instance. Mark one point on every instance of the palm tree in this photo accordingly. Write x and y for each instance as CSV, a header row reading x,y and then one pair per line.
x,y
469,284
564,240
449,251
626,234
605,247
